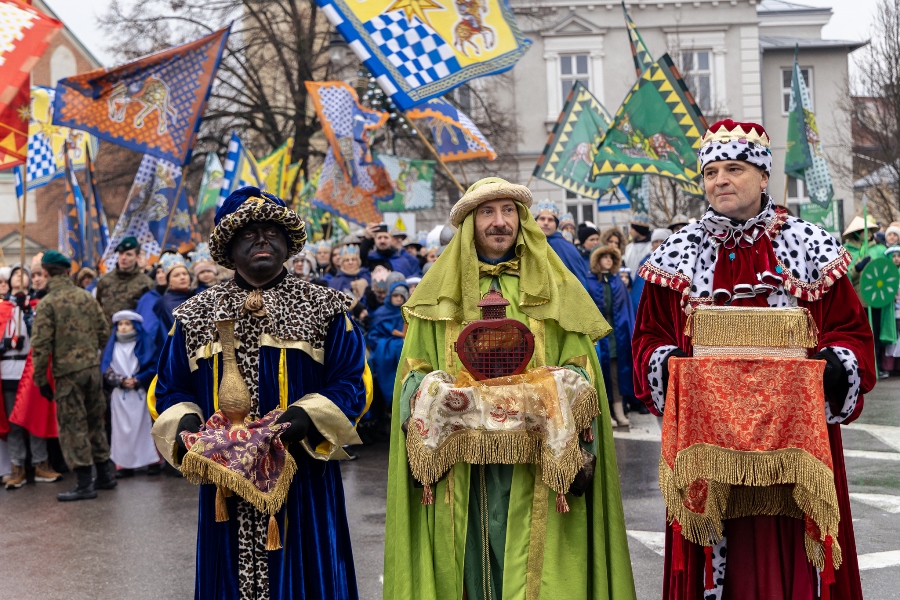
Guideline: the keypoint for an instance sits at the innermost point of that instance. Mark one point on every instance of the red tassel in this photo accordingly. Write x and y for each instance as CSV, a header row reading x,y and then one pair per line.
x,y
588,434
710,584
427,495
561,505
827,576
677,549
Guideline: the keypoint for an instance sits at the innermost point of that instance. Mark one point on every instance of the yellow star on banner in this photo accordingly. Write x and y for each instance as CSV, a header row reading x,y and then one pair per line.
x,y
415,7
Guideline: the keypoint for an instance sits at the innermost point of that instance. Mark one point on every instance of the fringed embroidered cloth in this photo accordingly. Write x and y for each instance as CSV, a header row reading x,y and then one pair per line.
x,y
532,418
252,461
745,437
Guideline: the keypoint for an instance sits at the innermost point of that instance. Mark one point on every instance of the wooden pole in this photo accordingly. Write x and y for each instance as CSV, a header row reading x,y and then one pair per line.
x,y
530,177
162,245
437,156
463,173
22,216
786,179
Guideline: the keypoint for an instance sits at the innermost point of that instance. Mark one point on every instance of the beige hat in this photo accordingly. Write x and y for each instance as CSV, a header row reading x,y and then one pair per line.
x,y
857,225
485,190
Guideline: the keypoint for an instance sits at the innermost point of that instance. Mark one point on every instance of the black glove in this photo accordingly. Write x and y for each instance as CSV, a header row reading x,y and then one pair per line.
x,y
835,380
862,264
189,422
301,427
21,300
47,391
677,353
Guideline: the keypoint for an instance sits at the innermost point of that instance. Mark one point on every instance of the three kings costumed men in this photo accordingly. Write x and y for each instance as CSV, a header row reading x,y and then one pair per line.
x,y
746,252
495,529
297,351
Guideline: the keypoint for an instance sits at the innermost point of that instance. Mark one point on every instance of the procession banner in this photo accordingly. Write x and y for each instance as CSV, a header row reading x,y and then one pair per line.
x,y
422,49
656,131
639,52
153,105
240,169
273,169
97,228
76,222
148,208
569,154
337,195
456,137
47,143
18,27
412,179
347,125
804,158
210,184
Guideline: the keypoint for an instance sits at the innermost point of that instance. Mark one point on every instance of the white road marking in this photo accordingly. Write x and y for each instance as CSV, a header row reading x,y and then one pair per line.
x,y
886,433
644,428
871,454
654,540
885,502
879,560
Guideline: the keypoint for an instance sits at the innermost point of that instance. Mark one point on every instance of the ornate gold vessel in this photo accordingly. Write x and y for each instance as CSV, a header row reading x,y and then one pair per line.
x,y
234,396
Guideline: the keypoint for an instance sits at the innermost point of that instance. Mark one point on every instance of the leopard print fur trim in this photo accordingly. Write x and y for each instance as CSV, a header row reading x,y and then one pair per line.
x,y
295,310
259,210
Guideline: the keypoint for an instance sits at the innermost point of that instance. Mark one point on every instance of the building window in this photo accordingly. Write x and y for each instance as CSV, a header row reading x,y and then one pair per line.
x,y
787,76
62,64
696,68
581,209
572,68
796,190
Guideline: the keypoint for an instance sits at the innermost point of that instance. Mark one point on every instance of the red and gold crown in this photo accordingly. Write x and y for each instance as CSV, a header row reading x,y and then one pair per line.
x,y
728,130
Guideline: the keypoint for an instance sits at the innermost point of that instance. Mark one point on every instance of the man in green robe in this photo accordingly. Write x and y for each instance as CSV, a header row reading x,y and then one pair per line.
x,y
493,531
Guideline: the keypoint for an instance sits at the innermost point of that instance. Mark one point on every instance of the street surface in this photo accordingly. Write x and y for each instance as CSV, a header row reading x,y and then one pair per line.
x,y
137,542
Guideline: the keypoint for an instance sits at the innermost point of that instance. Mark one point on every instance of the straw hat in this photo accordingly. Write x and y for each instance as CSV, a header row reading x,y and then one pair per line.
x,y
485,190
857,225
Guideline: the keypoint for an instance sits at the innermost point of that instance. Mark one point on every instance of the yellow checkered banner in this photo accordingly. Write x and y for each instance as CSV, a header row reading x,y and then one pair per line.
x,y
656,131
421,49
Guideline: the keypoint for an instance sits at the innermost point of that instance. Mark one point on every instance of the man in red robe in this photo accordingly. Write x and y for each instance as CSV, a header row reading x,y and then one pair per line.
x,y
745,251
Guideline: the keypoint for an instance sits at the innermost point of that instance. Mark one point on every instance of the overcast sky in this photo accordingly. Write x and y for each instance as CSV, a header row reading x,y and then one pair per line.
x,y
852,20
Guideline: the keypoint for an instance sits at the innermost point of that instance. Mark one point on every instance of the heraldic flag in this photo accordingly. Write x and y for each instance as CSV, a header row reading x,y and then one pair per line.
x,y
421,49
569,153
97,230
804,158
76,222
147,210
153,105
241,169
412,183
455,135
639,52
25,34
210,184
656,131
273,169
335,194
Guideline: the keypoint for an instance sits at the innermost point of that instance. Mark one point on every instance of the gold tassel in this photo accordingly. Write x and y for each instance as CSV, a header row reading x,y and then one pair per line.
x,y
561,505
273,537
221,507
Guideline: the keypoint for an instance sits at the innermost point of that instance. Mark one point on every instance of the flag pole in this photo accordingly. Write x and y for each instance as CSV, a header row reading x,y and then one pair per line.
x,y
162,245
463,173
22,216
786,176
436,155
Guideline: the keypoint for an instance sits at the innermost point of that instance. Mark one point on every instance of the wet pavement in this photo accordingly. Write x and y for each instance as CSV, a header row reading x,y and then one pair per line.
x,y
137,542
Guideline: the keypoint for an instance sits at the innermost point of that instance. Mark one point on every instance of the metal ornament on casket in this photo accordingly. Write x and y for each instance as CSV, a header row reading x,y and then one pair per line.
x,y
495,346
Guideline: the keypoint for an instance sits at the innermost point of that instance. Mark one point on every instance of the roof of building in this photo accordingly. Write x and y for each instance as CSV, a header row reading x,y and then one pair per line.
x,y
67,31
884,175
781,6
789,43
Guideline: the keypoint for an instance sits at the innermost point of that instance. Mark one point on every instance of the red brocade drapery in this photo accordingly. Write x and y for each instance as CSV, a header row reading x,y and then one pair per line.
x,y
747,437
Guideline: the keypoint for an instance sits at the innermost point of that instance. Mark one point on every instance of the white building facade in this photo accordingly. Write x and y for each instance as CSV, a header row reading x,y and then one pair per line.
x,y
737,56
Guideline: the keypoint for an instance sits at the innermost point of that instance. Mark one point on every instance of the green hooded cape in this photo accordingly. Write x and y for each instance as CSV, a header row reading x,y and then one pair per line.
x,y
436,551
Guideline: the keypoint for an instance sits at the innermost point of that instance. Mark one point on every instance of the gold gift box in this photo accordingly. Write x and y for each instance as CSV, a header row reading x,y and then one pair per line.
x,y
741,331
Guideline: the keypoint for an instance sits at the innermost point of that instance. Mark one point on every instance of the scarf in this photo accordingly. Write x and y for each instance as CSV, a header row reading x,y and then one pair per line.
x,y
124,338
449,291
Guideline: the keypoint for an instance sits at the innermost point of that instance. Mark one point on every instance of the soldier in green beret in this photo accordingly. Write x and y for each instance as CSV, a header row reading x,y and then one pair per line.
x,y
70,328
121,288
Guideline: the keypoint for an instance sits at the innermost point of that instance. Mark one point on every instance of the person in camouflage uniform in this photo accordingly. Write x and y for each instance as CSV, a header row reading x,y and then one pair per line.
x,y
70,327
121,288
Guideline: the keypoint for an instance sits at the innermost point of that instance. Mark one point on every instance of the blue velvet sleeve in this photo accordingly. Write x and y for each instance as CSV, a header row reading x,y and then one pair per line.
x,y
174,381
345,358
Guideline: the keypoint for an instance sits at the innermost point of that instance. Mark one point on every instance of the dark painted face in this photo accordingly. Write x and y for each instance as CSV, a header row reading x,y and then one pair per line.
x,y
259,251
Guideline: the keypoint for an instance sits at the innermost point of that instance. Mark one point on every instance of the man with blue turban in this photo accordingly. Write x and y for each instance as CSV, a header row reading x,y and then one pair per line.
x,y
297,351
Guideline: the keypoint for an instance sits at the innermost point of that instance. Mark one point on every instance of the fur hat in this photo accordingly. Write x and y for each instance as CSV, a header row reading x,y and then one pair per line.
x,y
248,205
893,229
612,232
660,235
485,190
600,251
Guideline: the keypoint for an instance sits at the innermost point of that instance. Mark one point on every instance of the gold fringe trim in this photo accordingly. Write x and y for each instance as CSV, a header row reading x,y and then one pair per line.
x,y
198,470
768,327
787,482
221,507
815,550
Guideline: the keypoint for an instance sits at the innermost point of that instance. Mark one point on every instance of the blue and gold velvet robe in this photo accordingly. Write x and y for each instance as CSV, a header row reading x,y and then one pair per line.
x,y
324,375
